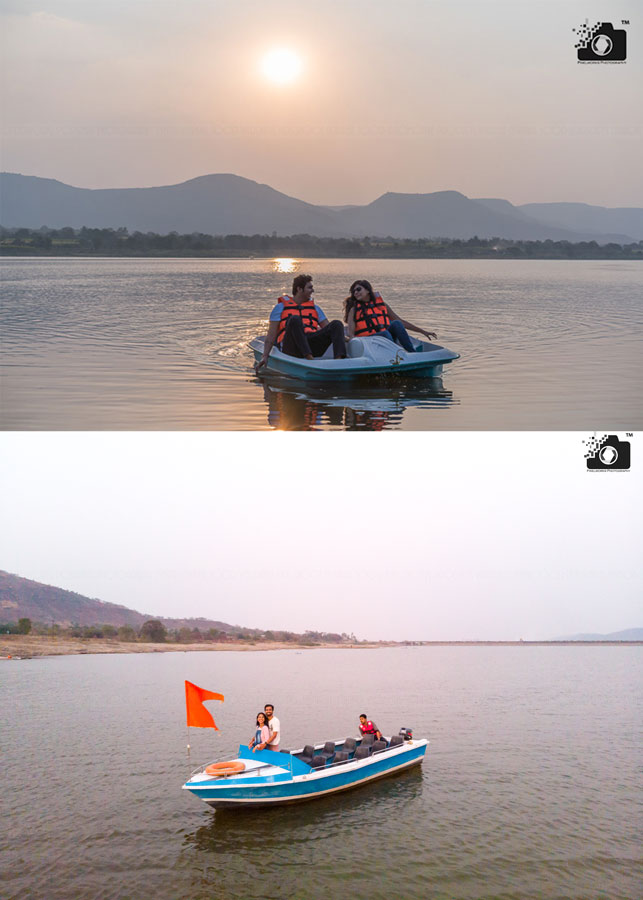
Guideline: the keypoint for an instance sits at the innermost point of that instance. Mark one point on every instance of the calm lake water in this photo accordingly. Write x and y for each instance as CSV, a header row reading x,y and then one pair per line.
x,y
529,788
162,344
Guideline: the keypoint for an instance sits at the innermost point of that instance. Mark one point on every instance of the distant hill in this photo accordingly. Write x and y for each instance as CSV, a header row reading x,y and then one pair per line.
x,y
212,204
223,204
629,634
22,598
593,219
450,214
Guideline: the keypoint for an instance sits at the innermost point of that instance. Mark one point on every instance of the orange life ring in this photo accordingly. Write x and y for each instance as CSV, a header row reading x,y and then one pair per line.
x,y
225,768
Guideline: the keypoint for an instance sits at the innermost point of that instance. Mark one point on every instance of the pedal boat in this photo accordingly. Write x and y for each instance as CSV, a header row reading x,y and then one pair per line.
x,y
271,778
373,355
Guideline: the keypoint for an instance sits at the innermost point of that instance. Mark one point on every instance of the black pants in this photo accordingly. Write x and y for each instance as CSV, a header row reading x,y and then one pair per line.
x,y
297,343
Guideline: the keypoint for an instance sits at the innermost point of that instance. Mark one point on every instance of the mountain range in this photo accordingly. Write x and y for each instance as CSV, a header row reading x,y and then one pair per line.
x,y
628,634
229,204
22,598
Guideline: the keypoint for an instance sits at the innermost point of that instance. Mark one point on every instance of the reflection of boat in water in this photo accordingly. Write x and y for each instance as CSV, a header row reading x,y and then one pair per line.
x,y
367,357
374,404
268,778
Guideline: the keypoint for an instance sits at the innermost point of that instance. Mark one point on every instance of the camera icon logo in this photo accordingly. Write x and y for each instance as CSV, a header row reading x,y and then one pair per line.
x,y
607,452
601,43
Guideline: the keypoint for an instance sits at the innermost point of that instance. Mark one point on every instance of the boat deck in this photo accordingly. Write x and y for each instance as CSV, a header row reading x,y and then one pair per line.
x,y
270,764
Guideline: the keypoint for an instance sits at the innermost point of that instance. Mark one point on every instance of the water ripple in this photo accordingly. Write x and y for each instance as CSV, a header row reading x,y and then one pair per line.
x,y
163,343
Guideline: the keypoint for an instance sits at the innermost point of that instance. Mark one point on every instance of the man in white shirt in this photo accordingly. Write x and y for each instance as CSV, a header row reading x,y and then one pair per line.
x,y
275,728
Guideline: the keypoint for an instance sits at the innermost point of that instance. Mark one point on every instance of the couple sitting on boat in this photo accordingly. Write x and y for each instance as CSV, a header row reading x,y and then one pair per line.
x,y
299,327
266,736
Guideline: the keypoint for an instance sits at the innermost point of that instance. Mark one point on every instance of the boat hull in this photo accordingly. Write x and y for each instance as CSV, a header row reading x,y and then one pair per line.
x,y
310,786
311,794
371,357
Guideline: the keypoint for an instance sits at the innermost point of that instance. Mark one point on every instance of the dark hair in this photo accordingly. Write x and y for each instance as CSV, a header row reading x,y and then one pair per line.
x,y
265,718
300,281
271,705
363,716
350,301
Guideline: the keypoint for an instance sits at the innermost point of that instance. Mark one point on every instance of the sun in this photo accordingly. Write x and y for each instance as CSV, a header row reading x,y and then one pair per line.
x,y
281,66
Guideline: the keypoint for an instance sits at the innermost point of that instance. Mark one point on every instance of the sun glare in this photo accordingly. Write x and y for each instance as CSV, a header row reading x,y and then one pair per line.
x,y
284,264
281,66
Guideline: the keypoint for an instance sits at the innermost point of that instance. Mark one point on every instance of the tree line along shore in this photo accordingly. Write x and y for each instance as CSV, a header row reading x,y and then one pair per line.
x,y
154,631
120,242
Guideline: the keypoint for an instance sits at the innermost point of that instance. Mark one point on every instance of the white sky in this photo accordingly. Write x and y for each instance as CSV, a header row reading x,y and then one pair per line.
x,y
478,536
404,95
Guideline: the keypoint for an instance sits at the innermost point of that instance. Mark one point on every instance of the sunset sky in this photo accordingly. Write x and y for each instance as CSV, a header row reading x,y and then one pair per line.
x,y
412,96
476,536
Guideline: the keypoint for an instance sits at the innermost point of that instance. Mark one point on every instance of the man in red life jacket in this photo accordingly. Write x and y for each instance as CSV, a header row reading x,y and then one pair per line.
x,y
299,327
368,727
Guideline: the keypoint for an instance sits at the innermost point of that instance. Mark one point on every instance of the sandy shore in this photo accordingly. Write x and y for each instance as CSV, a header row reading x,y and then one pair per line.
x,y
28,646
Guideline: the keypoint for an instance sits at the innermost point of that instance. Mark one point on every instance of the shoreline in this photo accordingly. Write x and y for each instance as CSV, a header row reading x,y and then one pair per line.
x,y
19,646
27,646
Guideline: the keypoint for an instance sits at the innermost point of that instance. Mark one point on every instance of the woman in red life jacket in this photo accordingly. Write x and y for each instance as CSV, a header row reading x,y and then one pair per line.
x,y
366,313
299,327
368,727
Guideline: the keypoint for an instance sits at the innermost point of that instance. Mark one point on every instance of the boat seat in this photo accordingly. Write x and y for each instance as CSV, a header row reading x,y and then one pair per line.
x,y
378,746
318,762
396,741
367,740
341,756
307,754
329,750
349,745
362,752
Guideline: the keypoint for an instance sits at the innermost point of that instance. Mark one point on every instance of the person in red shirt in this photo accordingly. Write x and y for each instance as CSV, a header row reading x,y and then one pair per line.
x,y
368,727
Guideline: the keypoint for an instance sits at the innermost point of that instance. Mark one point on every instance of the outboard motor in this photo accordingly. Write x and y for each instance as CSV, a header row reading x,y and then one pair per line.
x,y
406,733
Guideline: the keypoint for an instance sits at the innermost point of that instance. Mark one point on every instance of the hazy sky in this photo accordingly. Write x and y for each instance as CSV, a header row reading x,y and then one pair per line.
x,y
477,536
404,95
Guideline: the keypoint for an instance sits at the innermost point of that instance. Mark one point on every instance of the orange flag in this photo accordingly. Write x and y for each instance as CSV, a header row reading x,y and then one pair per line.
x,y
198,716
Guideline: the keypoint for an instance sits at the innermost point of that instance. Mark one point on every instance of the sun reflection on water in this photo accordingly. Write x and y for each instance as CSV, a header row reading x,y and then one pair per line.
x,y
285,264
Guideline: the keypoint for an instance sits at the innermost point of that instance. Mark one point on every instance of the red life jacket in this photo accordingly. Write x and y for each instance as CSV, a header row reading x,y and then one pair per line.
x,y
369,728
305,310
371,317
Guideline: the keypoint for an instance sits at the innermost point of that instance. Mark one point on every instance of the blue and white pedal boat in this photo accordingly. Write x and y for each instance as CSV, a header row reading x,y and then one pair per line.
x,y
373,355
270,778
